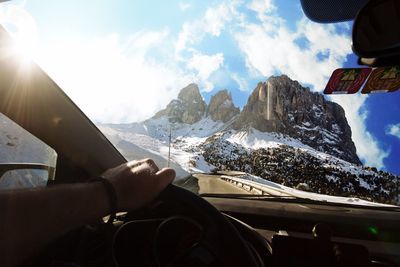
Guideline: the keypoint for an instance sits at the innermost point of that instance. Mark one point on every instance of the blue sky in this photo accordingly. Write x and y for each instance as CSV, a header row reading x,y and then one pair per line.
x,y
121,61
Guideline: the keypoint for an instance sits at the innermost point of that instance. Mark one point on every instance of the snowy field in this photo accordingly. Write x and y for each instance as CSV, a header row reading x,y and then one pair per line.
x,y
151,138
281,190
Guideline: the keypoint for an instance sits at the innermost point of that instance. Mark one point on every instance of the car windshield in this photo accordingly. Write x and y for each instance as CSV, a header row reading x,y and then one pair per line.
x,y
229,93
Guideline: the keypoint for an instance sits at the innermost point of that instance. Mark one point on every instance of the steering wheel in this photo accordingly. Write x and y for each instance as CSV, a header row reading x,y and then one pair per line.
x,y
178,211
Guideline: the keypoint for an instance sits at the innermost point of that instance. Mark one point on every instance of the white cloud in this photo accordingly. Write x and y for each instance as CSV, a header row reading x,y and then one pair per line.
x,y
145,40
21,26
184,6
113,80
216,18
393,129
268,52
241,82
212,22
271,48
368,147
261,7
205,65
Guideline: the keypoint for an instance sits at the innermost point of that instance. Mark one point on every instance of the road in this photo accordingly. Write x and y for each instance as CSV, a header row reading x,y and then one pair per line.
x,y
212,184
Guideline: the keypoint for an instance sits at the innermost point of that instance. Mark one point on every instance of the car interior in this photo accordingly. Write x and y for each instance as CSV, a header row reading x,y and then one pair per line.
x,y
181,228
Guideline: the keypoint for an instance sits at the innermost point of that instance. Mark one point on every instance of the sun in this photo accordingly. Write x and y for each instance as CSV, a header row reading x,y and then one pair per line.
x,y
23,48
19,30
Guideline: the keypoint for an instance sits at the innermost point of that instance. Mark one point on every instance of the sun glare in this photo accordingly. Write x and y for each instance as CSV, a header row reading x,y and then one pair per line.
x,y
23,49
23,32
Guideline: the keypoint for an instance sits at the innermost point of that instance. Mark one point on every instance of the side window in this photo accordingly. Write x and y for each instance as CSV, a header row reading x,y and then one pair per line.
x,y
25,161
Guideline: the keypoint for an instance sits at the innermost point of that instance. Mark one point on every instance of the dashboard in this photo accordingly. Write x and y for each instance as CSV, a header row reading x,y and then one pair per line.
x,y
278,234
275,233
356,236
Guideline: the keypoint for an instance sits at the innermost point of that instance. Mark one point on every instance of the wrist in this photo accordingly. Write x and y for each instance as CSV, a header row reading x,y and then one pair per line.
x,y
111,193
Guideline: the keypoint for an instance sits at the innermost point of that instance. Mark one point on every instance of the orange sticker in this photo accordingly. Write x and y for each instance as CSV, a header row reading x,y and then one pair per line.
x,y
347,81
382,80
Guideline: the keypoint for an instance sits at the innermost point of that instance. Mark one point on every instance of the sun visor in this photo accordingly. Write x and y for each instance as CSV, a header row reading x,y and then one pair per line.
x,y
347,81
328,11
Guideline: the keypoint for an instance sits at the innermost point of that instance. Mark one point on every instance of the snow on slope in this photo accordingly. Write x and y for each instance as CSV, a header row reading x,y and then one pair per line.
x,y
208,145
159,128
153,136
284,190
254,139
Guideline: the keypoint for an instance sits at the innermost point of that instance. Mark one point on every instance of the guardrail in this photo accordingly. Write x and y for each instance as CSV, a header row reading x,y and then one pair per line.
x,y
254,187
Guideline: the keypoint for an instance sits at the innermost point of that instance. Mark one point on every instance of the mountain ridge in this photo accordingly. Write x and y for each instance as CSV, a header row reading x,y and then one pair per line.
x,y
278,105
207,146
299,140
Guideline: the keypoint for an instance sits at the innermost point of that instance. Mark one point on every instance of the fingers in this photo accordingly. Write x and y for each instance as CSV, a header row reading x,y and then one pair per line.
x,y
163,178
166,174
147,162
139,182
160,178
135,163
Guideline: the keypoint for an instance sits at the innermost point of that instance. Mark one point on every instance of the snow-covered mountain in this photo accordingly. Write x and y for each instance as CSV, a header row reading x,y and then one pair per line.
x,y
284,106
285,134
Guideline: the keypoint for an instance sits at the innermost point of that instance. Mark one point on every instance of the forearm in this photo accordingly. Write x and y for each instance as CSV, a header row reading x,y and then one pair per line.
x,y
30,219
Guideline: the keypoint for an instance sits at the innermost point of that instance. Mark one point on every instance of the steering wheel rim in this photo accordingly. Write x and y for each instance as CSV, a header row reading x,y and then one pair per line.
x,y
224,239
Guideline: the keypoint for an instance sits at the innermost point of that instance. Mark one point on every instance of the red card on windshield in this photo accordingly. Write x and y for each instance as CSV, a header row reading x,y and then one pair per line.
x,y
382,80
347,81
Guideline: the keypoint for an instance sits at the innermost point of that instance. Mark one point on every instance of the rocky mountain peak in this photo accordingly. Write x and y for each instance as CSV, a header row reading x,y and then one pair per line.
x,y
188,108
278,105
190,93
221,107
284,106
276,137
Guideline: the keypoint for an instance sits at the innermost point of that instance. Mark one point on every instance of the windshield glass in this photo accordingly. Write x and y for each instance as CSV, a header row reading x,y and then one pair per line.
x,y
228,89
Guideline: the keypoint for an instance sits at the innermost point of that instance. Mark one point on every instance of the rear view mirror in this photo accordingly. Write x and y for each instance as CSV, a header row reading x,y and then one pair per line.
x,y
25,175
376,29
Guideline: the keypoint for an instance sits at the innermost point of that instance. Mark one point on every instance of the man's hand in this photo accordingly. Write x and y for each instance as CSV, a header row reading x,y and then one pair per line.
x,y
24,232
138,182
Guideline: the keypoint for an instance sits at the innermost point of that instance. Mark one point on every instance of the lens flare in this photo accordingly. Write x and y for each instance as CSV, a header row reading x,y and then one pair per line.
x,y
373,230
